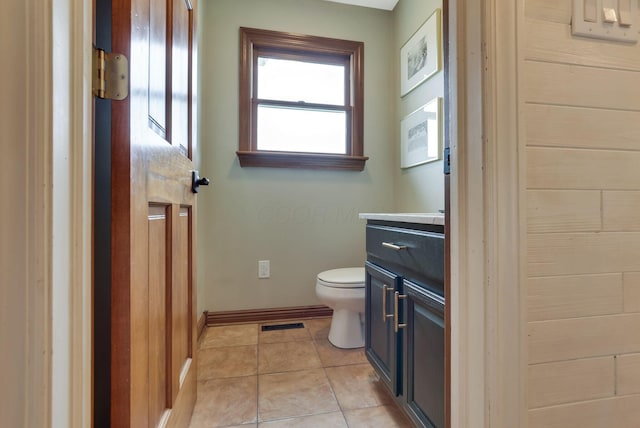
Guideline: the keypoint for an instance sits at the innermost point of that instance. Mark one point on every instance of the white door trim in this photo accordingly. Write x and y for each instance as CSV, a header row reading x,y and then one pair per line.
x,y
70,109
505,223
487,237
36,31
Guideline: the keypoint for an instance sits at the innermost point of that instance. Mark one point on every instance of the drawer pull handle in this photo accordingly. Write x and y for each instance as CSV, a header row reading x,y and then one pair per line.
x,y
398,296
384,303
394,246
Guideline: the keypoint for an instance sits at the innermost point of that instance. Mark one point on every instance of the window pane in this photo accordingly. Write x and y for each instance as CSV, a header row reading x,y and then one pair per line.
x,y
287,80
298,130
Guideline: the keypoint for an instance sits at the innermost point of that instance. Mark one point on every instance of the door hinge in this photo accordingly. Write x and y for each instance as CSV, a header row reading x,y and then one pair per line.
x,y
447,160
110,75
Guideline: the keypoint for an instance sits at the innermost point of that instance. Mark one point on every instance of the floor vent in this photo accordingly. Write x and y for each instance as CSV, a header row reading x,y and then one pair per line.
x,y
282,326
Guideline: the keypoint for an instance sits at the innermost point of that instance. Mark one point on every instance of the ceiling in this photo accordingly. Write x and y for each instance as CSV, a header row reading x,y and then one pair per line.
x,y
377,4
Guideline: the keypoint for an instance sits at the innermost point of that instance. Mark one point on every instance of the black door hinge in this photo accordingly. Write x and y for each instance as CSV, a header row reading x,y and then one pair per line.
x,y
447,160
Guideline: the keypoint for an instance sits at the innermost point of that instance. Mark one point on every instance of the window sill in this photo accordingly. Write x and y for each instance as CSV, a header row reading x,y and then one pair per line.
x,y
301,160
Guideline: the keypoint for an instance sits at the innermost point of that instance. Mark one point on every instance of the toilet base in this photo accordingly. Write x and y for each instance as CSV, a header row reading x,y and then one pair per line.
x,y
346,329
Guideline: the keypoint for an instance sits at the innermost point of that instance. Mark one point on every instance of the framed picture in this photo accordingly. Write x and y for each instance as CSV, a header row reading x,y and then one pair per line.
x,y
421,135
420,55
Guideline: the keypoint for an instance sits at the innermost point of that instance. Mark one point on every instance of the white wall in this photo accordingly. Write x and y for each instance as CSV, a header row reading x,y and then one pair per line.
x,y
581,116
302,221
419,188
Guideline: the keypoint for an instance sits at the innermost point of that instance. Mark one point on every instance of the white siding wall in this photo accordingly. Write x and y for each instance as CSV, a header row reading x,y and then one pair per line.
x,y
582,125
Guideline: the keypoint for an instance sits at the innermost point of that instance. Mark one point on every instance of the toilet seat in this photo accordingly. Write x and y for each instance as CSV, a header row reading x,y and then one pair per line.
x,y
342,278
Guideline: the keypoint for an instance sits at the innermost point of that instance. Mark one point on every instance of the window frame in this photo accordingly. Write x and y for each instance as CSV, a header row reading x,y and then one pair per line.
x,y
254,41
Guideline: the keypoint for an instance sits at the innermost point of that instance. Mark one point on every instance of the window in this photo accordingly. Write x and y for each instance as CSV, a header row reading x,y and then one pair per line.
x,y
301,101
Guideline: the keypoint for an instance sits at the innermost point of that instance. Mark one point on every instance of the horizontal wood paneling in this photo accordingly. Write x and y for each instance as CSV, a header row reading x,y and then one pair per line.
x,y
581,120
549,10
574,85
558,126
568,381
549,168
583,253
616,412
628,374
621,210
560,297
631,283
563,211
549,41
583,337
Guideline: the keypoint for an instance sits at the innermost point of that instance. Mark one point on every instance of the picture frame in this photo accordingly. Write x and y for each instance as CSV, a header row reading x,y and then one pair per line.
x,y
421,135
421,56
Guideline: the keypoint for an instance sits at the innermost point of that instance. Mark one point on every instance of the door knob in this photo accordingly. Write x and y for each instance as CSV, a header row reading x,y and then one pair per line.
x,y
196,181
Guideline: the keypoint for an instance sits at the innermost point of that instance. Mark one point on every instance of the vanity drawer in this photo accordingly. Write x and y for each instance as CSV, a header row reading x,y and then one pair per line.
x,y
414,254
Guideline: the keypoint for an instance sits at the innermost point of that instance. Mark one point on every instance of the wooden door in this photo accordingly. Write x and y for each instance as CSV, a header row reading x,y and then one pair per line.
x,y
153,296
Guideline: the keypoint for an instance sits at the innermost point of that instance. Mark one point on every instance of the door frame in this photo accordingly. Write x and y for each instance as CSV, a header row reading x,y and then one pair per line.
x,y
66,98
488,247
488,244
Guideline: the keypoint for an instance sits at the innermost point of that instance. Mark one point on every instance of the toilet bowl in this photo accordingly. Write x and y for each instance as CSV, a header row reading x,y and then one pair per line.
x,y
343,291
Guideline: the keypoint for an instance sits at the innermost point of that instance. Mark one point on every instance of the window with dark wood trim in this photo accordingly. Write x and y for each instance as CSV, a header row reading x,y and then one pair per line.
x,y
345,152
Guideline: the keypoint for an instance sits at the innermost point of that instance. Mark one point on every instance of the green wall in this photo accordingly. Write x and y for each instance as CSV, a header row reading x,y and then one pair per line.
x,y
420,188
302,221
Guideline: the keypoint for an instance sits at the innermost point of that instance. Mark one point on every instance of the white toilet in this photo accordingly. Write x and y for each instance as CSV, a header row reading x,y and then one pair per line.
x,y
343,291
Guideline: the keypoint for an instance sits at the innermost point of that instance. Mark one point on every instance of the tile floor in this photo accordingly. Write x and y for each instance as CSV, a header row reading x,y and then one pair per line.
x,y
287,378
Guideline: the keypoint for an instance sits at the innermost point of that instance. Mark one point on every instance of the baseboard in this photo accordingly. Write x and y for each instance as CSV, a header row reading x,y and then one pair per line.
x,y
202,323
270,314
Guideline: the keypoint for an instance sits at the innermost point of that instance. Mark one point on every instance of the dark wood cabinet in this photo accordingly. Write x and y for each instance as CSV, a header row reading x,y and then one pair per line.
x,y
404,313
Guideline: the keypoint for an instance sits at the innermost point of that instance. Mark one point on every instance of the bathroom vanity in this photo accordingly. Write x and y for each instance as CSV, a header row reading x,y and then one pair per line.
x,y
404,311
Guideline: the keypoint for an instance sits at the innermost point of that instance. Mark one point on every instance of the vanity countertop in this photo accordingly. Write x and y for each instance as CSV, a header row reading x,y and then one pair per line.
x,y
421,218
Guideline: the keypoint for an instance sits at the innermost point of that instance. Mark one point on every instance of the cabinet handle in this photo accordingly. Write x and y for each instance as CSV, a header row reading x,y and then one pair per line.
x,y
398,296
384,302
394,246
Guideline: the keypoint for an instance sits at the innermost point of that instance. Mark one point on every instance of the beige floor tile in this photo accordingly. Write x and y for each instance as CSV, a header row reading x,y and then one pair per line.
x,y
287,356
301,393
230,335
232,361
325,420
287,335
377,417
318,327
331,356
225,402
357,386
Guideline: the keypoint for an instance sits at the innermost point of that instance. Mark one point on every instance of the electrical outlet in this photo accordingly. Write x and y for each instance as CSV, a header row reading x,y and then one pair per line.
x,y
264,270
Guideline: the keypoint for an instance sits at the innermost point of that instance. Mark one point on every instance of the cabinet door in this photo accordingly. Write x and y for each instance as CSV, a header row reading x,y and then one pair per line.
x,y
381,343
424,356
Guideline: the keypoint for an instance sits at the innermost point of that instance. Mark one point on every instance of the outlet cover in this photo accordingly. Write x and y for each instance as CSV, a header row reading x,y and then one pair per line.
x,y
264,270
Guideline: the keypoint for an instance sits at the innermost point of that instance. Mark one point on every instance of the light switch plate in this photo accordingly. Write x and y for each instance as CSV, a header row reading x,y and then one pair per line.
x,y
603,30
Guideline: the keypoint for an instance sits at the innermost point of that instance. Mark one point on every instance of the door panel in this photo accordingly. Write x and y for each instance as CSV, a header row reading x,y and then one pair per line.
x,y
158,55
158,244
381,342
180,75
424,355
181,309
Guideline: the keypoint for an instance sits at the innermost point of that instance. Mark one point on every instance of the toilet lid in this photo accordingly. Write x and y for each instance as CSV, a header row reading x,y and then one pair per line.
x,y
342,278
